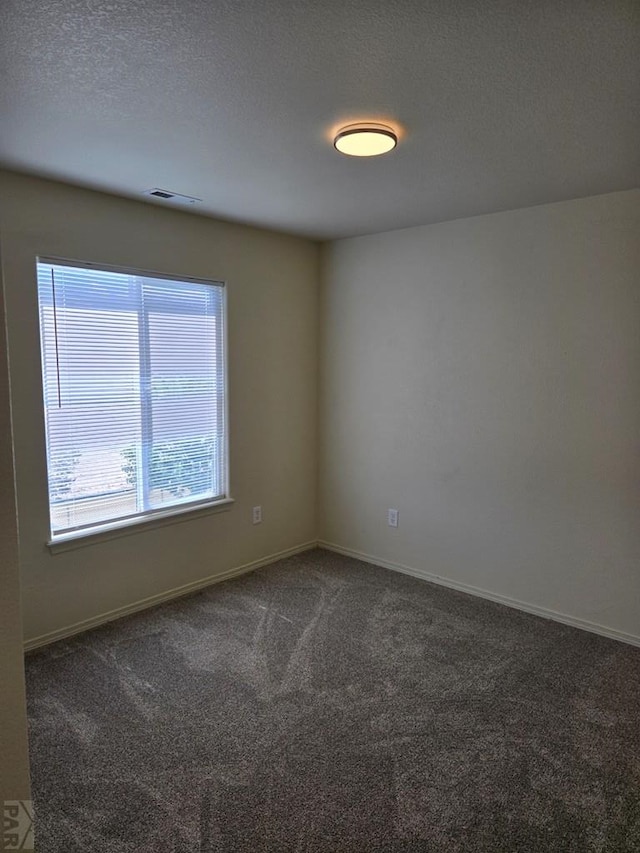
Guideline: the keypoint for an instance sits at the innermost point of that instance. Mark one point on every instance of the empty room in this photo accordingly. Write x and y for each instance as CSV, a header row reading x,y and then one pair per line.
x,y
320,426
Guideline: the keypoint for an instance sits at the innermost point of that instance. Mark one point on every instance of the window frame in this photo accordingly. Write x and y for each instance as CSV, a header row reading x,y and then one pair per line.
x,y
102,531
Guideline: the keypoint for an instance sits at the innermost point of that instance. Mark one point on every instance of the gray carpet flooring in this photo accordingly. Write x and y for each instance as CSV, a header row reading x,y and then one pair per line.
x,y
322,704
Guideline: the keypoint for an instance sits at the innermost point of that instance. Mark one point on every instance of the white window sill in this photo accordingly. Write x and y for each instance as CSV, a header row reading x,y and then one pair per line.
x,y
104,532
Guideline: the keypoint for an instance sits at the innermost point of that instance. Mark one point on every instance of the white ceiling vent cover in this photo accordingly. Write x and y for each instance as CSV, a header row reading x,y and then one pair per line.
x,y
167,195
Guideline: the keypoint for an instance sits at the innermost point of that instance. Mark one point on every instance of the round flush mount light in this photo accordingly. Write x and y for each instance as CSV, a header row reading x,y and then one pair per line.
x,y
365,140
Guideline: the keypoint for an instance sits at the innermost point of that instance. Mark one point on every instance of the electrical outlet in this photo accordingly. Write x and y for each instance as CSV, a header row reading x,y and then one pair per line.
x,y
392,517
256,515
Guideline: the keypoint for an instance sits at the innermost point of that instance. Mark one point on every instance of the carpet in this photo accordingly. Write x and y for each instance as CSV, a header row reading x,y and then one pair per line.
x,y
324,704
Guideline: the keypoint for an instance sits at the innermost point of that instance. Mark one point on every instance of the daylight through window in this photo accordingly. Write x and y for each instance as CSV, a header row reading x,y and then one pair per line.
x,y
134,393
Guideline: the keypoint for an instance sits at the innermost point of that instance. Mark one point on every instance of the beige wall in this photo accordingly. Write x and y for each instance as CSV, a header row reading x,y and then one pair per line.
x,y
479,375
483,376
14,772
272,297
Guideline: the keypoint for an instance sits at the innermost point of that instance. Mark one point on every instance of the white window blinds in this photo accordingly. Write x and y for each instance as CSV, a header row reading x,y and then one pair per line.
x,y
134,394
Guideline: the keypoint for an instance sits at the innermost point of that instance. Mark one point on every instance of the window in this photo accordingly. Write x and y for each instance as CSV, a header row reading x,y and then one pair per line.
x,y
133,368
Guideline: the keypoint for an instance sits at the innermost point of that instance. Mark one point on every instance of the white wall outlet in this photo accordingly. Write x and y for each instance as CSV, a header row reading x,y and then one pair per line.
x,y
256,515
392,517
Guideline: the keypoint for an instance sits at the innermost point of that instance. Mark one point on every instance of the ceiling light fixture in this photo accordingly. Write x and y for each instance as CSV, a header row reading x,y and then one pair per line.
x,y
365,140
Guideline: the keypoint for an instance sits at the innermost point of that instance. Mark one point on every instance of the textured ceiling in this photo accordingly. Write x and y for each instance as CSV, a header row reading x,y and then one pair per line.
x,y
501,103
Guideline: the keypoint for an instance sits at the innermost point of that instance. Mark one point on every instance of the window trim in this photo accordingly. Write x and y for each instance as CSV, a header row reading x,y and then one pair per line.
x,y
105,531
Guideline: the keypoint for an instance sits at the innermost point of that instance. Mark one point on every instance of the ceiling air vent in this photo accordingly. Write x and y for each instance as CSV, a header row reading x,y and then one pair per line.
x,y
166,195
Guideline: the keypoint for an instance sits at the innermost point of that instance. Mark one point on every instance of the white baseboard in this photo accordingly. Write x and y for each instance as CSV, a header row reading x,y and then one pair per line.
x,y
594,628
177,592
